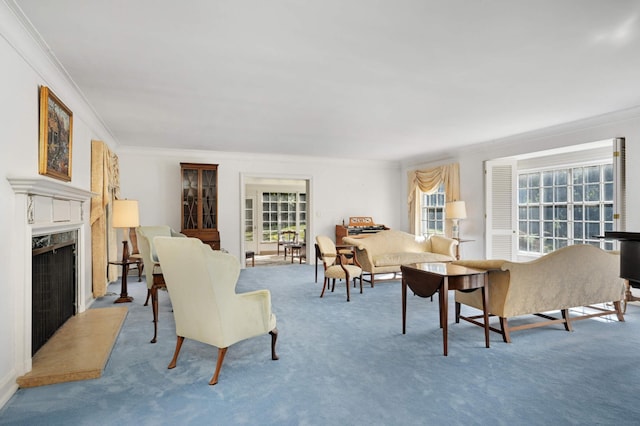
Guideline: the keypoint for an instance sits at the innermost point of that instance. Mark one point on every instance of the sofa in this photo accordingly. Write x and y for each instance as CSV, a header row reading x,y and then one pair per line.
x,y
385,251
577,276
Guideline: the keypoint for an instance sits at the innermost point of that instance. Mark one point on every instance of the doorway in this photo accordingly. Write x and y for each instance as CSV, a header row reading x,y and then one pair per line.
x,y
270,205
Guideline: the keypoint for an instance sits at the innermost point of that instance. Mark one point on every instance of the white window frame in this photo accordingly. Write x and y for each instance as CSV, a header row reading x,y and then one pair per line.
x,y
432,208
501,225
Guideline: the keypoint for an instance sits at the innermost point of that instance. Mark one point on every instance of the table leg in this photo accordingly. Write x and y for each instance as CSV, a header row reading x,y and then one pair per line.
x,y
154,307
404,306
124,297
444,313
485,308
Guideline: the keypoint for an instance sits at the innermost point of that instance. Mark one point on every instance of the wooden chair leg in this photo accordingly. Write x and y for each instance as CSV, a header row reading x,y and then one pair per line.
x,y
221,353
346,282
567,320
172,364
504,326
325,284
146,302
274,337
619,311
360,283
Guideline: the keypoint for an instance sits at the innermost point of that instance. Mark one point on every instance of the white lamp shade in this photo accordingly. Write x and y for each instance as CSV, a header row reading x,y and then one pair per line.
x,y
125,214
455,210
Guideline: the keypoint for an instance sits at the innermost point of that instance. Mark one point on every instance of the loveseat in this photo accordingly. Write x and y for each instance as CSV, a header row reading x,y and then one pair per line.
x,y
384,252
577,276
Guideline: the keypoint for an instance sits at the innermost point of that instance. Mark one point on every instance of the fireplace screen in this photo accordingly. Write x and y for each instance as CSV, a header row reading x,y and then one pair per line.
x,y
53,285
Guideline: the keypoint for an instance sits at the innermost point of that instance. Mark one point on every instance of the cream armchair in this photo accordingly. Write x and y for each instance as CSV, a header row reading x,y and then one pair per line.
x,y
145,236
201,284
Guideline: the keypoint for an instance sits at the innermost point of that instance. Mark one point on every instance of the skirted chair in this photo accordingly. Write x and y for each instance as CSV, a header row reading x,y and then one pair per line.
x,y
201,284
337,266
145,236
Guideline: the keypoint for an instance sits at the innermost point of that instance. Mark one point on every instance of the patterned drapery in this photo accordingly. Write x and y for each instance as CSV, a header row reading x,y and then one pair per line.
x,y
428,181
105,182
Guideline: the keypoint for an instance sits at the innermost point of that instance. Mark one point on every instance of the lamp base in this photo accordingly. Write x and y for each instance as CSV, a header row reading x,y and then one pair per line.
x,y
124,296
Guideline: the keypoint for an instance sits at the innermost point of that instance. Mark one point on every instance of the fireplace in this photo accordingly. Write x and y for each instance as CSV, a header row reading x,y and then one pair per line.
x,y
53,284
51,220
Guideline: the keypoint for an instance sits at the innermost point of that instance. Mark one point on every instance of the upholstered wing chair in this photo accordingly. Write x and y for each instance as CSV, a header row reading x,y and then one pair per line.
x,y
145,236
201,284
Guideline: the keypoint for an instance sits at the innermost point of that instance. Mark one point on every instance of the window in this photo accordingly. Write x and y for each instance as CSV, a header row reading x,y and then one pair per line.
x,y
282,211
432,212
565,206
540,202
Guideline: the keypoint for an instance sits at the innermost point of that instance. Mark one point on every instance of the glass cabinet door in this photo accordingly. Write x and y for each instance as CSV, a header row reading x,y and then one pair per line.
x,y
200,202
209,199
189,199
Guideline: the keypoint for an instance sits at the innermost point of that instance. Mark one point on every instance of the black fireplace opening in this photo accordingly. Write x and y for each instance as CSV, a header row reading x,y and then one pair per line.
x,y
53,285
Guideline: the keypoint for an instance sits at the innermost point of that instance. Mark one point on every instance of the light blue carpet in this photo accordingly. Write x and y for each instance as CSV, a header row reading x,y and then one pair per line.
x,y
349,364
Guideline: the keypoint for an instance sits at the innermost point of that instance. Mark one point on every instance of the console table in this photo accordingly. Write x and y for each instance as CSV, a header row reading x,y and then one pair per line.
x,y
425,279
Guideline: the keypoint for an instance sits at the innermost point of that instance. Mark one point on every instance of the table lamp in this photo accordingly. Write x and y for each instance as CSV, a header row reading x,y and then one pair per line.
x,y
455,210
125,215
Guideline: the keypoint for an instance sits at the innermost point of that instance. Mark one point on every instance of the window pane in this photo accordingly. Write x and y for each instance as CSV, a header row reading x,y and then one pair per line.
x,y
534,195
593,213
522,196
534,213
560,177
534,228
560,213
593,174
565,206
577,193
592,192
577,230
561,194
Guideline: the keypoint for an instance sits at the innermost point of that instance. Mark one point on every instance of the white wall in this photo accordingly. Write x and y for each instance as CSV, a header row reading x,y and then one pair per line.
x,y
25,67
339,188
621,124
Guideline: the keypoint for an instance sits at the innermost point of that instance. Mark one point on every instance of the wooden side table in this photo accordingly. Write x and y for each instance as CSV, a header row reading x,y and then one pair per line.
x,y
424,279
124,296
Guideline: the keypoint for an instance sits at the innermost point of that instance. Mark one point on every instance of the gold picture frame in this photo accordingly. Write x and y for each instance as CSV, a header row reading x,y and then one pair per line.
x,y
56,130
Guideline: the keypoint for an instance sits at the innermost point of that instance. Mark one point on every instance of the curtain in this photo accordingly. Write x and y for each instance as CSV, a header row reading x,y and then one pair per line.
x,y
428,181
105,183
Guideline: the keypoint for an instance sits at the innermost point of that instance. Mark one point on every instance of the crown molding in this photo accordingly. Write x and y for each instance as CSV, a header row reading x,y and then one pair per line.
x,y
28,44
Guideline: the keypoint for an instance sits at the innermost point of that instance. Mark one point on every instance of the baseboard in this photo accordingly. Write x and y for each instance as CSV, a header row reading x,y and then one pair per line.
x,y
8,387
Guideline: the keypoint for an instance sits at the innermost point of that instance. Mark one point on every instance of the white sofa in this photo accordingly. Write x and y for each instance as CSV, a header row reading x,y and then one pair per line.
x,y
384,252
570,277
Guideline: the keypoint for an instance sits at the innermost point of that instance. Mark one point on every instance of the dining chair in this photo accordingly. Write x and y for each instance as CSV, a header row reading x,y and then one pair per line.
x,y
336,266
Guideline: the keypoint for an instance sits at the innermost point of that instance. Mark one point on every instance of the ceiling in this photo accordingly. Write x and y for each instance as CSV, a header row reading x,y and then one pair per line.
x,y
372,79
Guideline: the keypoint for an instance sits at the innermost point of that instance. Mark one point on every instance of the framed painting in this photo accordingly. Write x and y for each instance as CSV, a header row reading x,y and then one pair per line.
x,y
56,128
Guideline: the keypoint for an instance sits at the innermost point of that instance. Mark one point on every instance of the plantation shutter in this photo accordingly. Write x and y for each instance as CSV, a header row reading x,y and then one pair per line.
x,y
501,213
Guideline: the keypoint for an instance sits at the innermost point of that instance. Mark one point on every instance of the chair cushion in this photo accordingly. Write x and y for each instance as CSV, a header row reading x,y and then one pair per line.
x,y
336,271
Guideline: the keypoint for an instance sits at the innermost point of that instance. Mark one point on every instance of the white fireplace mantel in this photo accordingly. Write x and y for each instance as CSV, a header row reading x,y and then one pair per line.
x,y
44,205
48,188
